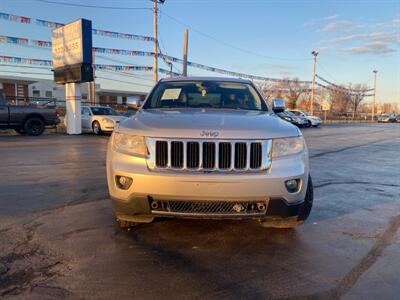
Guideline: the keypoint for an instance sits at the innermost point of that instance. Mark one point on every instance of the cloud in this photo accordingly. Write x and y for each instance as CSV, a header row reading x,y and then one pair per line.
x,y
370,48
330,17
314,21
338,25
389,37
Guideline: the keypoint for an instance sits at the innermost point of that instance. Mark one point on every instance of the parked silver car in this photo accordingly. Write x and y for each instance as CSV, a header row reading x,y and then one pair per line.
x,y
387,118
100,119
314,120
203,147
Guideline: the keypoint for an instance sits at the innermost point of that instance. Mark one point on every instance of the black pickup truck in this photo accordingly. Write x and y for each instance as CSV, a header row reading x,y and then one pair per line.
x,y
26,119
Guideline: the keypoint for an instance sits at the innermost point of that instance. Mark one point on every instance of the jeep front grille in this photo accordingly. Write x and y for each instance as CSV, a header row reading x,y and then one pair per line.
x,y
208,155
208,208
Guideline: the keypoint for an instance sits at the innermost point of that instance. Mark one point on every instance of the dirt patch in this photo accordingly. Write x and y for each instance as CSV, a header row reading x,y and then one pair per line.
x,y
26,264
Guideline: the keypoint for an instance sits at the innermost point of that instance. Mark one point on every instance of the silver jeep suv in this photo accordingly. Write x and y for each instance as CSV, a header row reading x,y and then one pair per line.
x,y
203,147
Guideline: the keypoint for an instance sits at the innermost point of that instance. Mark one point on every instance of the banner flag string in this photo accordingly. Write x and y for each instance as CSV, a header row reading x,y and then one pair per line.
x,y
340,87
45,23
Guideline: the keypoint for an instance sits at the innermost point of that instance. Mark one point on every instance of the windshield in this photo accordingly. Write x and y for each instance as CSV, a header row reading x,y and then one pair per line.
x,y
205,94
104,111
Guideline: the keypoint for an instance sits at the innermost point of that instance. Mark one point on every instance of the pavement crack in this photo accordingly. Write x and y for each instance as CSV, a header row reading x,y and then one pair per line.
x,y
68,234
345,284
323,184
350,147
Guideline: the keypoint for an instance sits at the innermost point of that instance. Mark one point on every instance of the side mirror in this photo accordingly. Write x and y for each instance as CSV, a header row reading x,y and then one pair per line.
x,y
133,103
278,105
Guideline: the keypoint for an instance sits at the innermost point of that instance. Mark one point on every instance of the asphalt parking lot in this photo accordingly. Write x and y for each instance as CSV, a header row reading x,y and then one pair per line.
x,y
58,238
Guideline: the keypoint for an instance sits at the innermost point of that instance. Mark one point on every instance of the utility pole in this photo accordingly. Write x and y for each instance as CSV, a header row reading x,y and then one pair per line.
x,y
374,101
185,51
314,53
92,85
155,47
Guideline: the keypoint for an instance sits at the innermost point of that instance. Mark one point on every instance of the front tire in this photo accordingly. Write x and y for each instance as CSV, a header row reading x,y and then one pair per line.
x,y
292,222
96,128
309,124
34,126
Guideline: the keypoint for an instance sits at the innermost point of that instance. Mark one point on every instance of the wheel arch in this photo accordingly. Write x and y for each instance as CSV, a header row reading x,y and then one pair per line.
x,y
33,115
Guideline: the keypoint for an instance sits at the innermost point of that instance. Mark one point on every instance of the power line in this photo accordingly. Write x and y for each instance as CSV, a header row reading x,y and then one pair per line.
x,y
326,72
121,81
125,74
92,6
230,45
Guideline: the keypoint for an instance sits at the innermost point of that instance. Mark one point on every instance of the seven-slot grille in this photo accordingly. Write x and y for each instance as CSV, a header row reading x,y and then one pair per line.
x,y
209,155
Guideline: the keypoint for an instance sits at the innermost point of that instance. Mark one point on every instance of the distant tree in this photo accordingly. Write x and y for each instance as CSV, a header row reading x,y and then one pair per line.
x,y
356,97
293,91
388,108
267,89
340,101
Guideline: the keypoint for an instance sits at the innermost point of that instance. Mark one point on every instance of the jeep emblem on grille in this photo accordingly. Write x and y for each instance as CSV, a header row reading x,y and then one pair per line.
x,y
213,134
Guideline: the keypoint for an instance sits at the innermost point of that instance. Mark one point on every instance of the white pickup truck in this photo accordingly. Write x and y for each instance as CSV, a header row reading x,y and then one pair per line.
x,y
202,147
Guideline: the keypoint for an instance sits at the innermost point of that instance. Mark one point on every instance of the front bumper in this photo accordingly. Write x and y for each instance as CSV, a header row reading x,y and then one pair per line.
x,y
266,186
315,122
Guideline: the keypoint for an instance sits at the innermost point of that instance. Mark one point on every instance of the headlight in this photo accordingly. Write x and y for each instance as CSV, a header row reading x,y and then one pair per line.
x,y
287,146
108,121
129,144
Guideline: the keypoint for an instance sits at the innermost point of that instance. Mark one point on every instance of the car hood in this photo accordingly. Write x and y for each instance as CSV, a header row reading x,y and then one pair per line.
x,y
114,118
207,123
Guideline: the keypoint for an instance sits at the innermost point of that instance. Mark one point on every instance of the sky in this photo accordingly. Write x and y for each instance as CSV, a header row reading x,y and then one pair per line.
x,y
268,38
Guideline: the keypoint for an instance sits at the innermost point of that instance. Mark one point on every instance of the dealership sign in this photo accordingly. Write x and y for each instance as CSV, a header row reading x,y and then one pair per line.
x,y
72,52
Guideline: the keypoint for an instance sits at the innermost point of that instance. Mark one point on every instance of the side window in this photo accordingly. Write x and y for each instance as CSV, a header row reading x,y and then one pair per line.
x,y
85,111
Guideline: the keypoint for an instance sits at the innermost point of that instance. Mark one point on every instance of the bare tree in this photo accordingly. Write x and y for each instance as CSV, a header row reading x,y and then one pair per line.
x,y
293,91
357,96
270,90
340,101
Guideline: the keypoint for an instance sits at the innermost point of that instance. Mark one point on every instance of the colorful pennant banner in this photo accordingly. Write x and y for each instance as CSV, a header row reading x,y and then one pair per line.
x,y
122,68
26,61
122,52
229,73
50,24
166,58
360,93
340,87
15,18
44,62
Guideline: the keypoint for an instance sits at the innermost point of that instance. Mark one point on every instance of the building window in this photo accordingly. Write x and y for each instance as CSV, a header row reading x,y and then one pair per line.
x,y
36,93
124,100
84,96
49,94
113,100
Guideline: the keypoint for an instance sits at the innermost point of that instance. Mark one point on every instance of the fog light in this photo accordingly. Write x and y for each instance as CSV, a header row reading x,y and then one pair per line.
x,y
123,182
292,185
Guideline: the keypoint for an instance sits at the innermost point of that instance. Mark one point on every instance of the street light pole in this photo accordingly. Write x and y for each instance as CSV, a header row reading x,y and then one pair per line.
x,y
374,101
314,53
185,51
155,45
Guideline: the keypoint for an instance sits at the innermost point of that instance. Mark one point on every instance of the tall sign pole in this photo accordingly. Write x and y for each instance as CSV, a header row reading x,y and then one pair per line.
x,y
374,101
314,53
185,51
155,46
73,65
